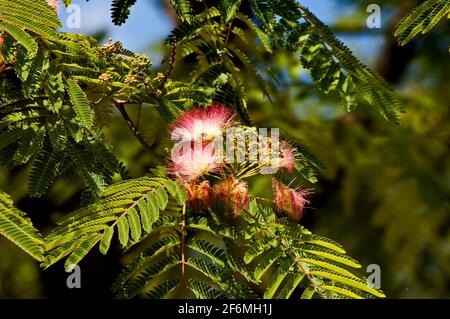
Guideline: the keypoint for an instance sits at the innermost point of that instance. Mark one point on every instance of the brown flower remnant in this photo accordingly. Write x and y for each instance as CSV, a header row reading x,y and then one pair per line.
x,y
198,194
232,191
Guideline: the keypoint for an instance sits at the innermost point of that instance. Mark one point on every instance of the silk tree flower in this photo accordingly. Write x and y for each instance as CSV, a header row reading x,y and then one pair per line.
x,y
290,200
288,156
281,157
198,194
194,160
232,192
202,124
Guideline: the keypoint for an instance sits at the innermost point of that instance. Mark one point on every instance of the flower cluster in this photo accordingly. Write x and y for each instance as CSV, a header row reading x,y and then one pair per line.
x,y
198,156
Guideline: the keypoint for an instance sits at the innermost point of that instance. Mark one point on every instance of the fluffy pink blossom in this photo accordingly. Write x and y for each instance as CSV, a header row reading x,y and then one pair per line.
x,y
232,191
290,200
202,124
286,157
194,160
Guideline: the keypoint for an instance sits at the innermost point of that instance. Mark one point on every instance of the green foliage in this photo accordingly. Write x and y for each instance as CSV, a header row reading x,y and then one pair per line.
x,y
85,115
57,92
421,20
183,9
18,228
22,37
120,10
33,16
316,264
329,61
132,206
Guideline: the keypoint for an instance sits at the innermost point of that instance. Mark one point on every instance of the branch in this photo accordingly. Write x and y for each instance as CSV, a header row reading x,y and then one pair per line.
x,y
120,106
173,44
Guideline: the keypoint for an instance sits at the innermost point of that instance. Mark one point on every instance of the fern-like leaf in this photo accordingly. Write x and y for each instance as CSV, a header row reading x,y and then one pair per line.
x,y
17,227
421,20
85,114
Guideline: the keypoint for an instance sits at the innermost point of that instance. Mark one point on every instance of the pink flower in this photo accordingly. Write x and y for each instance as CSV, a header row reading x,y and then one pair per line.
x,y
202,124
232,191
290,200
287,157
198,194
194,160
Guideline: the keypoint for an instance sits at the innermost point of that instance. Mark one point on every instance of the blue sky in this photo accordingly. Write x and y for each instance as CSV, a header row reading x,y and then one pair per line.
x,y
148,24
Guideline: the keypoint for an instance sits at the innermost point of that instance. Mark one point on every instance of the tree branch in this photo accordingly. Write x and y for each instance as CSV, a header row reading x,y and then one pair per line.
x,y
120,106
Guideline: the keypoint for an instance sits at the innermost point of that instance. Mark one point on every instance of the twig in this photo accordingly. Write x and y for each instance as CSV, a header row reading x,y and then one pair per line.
x,y
120,106
173,44
225,44
183,244
139,117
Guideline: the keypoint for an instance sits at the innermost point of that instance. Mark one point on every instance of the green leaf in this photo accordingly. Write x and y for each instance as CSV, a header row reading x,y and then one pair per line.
x,y
279,275
338,258
146,217
85,115
348,281
421,20
15,226
341,291
161,198
106,240
163,289
308,293
84,246
267,261
120,10
176,191
135,224
152,206
292,282
21,37
228,9
122,226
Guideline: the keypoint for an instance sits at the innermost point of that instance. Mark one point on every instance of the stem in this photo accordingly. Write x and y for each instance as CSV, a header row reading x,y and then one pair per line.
x,y
171,62
120,106
139,117
183,247
228,34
